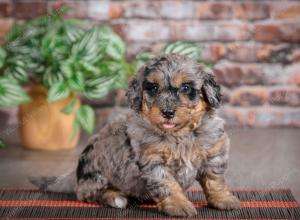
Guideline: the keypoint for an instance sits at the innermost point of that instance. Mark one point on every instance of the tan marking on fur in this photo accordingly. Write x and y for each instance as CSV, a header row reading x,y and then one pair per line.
x,y
215,150
179,79
198,153
109,197
152,114
155,77
187,117
166,154
216,192
111,194
155,153
197,113
191,116
176,204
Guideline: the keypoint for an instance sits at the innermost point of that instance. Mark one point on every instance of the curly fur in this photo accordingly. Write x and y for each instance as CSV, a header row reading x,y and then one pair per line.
x,y
147,156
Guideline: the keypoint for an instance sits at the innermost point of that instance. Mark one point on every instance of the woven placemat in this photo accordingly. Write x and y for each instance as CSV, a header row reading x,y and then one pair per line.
x,y
33,204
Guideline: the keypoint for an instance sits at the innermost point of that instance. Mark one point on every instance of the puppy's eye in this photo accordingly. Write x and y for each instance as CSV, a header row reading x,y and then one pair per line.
x,y
185,89
152,88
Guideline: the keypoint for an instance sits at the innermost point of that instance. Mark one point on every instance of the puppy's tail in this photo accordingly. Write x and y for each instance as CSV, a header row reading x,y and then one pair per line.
x,y
64,183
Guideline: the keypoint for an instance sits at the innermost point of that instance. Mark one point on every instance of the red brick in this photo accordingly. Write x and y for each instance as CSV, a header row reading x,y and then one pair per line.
x,y
213,52
98,10
104,10
5,9
141,9
223,32
115,11
294,56
242,52
143,30
251,10
267,32
134,48
233,116
293,72
119,29
176,9
265,116
274,117
276,53
213,10
285,96
278,32
29,9
256,52
249,96
157,47
285,9
230,74
274,74
78,8
5,25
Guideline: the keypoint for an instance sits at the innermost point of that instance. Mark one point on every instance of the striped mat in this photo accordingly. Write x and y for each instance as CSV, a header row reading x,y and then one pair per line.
x,y
33,204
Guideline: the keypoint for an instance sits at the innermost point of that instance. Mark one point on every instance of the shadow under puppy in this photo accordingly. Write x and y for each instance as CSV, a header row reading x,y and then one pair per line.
x,y
169,139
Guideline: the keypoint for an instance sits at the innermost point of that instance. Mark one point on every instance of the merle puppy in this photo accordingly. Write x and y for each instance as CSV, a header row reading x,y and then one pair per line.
x,y
170,138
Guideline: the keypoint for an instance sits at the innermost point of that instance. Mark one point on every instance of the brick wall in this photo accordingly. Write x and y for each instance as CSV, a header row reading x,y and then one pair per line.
x,y
254,45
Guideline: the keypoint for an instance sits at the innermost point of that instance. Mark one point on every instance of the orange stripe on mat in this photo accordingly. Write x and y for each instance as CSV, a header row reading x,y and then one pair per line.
x,y
48,203
190,190
168,218
245,204
88,205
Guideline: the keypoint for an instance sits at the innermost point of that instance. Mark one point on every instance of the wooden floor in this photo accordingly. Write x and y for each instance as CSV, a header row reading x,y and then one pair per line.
x,y
260,158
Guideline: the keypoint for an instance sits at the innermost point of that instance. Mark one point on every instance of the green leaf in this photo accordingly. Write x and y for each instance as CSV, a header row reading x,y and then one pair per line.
x,y
76,81
68,109
67,67
189,49
2,145
14,32
2,57
58,91
143,58
11,94
89,47
16,72
121,80
89,68
98,87
115,46
73,32
85,116
52,77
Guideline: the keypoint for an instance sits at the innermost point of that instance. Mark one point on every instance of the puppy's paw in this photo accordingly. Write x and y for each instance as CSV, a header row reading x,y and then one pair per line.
x,y
114,199
90,196
175,206
225,202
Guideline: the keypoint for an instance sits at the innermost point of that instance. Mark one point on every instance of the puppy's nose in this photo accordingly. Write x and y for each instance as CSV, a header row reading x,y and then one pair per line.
x,y
168,113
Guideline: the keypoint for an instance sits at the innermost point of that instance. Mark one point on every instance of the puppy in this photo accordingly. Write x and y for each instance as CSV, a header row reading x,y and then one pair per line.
x,y
169,139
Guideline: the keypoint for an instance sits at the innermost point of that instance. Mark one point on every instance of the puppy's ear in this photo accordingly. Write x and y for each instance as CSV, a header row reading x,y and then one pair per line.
x,y
211,91
134,94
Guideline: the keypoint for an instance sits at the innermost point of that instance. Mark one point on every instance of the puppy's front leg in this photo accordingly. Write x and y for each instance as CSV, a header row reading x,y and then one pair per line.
x,y
167,193
211,178
216,192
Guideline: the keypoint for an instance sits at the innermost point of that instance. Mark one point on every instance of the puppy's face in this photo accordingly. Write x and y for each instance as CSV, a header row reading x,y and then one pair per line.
x,y
173,92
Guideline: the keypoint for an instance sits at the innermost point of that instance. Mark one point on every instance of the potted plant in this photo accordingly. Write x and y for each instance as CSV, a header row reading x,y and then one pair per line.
x,y
56,60
48,62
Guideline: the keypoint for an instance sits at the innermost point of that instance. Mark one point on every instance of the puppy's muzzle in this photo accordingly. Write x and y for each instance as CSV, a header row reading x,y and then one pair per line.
x,y
168,113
